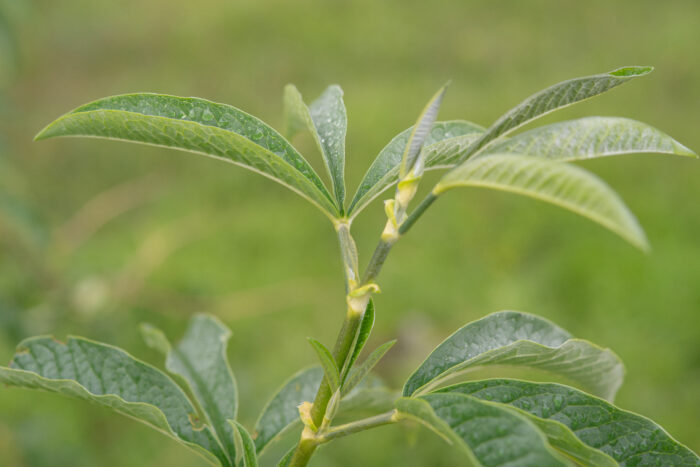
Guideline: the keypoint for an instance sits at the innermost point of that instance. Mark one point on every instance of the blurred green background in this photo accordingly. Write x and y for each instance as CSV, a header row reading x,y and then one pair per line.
x,y
98,236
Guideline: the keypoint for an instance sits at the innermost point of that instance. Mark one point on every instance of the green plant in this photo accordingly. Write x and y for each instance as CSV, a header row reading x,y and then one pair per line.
x,y
494,421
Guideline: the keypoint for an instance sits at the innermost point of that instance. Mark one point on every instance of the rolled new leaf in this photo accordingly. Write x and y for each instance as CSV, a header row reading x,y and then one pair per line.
x,y
590,137
110,377
519,339
488,434
553,98
384,171
199,126
327,121
628,438
200,359
558,183
362,335
330,367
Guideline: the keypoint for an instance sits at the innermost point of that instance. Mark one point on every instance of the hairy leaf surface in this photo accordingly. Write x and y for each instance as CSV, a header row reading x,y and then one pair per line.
x,y
590,137
249,457
110,377
384,171
558,183
556,97
628,438
199,126
200,359
327,121
487,433
515,338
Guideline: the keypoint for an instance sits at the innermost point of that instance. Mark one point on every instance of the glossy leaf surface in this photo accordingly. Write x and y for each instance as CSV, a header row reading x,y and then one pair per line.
x,y
327,121
199,126
556,97
562,184
515,338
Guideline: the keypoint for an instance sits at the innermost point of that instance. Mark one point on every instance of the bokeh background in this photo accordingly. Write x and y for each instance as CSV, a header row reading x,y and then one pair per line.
x,y
98,236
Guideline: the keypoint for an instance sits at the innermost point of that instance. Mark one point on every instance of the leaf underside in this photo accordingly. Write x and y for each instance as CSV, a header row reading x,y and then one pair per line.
x,y
558,183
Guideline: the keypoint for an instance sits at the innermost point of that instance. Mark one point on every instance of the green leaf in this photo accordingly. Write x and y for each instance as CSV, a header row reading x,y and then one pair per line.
x,y
522,339
363,370
281,414
327,122
590,137
628,438
330,367
488,434
362,335
200,359
199,126
287,458
249,457
556,97
110,377
384,171
558,183
420,132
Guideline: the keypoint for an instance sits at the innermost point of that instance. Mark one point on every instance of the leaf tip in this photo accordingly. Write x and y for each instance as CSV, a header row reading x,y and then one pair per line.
x,y
631,71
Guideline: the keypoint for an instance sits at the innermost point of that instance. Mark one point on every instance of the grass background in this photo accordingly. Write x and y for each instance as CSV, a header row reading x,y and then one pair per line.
x,y
98,236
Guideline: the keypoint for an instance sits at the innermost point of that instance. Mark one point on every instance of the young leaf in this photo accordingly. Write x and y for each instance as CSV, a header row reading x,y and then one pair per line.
x,y
249,458
199,126
558,183
420,132
487,433
590,137
384,171
200,359
628,438
281,414
363,370
515,338
110,377
330,367
327,122
362,335
556,97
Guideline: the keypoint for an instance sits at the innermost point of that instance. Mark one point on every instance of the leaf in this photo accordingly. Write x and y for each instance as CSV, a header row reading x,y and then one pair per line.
x,y
280,413
628,438
590,137
558,183
363,370
200,359
362,334
199,126
522,339
249,457
488,434
419,133
110,377
287,458
330,367
559,436
327,121
556,97
384,171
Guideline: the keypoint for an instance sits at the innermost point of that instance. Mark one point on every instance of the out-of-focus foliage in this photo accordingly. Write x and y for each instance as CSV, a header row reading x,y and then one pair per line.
x,y
106,236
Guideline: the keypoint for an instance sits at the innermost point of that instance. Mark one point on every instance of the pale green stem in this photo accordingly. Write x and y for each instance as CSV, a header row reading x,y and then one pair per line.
x,y
359,425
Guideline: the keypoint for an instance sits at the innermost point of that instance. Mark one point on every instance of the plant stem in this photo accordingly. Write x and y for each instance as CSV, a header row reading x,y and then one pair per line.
x,y
420,209
377,261
359,425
